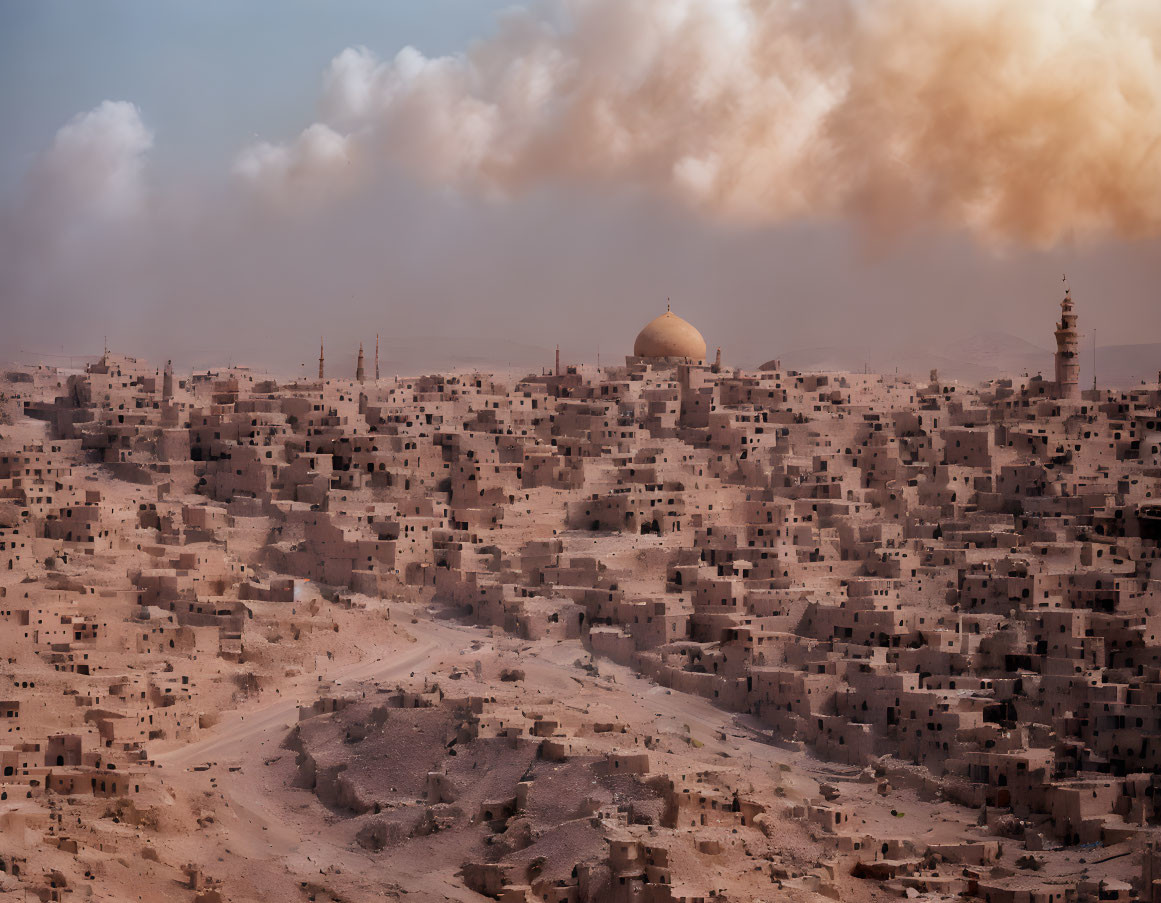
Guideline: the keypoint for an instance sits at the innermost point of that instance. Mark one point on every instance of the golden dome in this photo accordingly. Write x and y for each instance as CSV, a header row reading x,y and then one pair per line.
x,y
670,336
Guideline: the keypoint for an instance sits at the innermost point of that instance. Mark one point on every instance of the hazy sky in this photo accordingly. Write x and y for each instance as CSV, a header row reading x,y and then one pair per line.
x,y
227,181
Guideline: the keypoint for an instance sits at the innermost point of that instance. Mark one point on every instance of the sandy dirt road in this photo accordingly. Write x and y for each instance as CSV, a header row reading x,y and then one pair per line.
x,y
276,836
237,731
280,834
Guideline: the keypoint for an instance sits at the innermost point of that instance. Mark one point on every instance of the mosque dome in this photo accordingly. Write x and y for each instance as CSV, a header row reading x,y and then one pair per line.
x,y
670,336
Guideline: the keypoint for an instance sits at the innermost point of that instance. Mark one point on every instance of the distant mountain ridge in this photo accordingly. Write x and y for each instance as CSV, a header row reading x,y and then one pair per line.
x,y
985,355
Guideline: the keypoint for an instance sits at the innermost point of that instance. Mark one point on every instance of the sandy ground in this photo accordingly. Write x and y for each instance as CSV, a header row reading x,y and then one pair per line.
x,y
268,837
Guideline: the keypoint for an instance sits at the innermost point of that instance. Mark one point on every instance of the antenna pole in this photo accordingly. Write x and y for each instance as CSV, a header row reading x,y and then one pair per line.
x,y
1094,360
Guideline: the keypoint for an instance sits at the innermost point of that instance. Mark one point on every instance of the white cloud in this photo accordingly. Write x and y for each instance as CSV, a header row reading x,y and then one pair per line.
x,y
318,164
1026,122
95,166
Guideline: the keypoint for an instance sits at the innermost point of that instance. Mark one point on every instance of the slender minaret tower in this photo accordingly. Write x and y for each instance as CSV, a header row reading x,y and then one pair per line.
x,y
321,371
376,357
359,365
167,381
717,367
1067,357
557,372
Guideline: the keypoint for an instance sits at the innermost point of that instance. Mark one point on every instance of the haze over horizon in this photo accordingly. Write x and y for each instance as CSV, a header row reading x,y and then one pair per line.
x,y
478,187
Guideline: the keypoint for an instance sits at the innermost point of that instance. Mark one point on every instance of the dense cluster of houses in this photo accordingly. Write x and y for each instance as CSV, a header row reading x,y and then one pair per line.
x,y
964,578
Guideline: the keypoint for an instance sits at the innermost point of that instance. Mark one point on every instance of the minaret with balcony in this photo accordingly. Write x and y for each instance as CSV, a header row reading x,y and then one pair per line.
x,y
1067,352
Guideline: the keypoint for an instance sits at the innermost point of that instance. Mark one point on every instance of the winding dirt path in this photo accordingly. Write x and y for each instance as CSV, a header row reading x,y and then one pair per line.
x,y
278,836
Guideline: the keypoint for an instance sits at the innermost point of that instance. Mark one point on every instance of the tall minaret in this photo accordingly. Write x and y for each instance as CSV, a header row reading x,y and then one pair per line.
x,y
557,361
376,357
321,372
167,381
359,366
1067,345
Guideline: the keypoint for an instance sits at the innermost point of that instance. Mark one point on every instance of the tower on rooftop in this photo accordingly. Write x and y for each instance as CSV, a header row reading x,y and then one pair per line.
x,y
1067,352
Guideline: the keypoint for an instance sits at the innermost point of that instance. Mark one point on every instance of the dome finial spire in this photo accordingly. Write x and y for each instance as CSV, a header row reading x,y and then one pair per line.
x,y
668,308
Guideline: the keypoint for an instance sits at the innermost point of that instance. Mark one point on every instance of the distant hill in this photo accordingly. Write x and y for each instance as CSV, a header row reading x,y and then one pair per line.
x,y
983,356
1124,365
429,354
